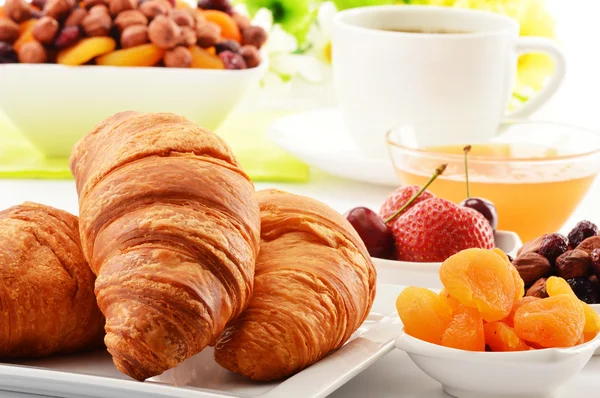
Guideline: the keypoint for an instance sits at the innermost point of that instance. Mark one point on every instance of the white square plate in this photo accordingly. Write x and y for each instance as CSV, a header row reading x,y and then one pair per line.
x,y
93,375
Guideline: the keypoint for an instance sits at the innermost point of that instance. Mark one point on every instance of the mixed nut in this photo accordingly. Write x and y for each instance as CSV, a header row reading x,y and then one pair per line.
x,y
129,33
575,257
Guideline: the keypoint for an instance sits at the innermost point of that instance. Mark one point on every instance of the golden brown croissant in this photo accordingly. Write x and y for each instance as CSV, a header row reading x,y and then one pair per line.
x,y
47,303
170,225
314,286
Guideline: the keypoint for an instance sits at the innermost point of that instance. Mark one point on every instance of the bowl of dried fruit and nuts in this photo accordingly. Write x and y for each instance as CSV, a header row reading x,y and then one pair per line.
x,y
65,66
481,337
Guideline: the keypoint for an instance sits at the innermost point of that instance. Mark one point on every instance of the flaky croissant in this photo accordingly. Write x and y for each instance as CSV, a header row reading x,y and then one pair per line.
x,y
47,303
170,225
314,286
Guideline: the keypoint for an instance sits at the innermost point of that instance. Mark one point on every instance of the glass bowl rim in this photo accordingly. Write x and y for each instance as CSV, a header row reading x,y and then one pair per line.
x,y
455,157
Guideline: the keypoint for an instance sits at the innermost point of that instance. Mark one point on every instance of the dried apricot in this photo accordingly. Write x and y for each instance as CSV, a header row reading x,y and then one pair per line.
x,y
551,322
142,55
229,29
86,50
203,59
449,300
423,313
501,337
519,283
510,319
465,331
481,279
556,286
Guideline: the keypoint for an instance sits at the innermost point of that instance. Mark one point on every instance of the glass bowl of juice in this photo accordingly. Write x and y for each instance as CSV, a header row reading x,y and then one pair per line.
x,y
536,173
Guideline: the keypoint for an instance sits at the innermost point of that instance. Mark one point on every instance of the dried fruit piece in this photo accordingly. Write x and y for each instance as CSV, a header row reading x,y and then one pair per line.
x,y
584,290
551,322
558,286
8,55
67,37
501,337
229,29
465,331
481,278
232,60
144,55
552,246
583,230
204,60
510,319
449,300
424,315
86,50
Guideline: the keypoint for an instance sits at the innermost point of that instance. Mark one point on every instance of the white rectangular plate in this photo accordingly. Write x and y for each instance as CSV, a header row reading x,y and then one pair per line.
x,y
93,375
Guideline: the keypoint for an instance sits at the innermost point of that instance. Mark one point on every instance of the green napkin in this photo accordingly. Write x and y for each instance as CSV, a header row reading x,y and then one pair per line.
x,y
245,132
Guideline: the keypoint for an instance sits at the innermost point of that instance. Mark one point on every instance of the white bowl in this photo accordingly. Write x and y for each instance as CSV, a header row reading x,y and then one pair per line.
x,y
427,274
54,105
525,374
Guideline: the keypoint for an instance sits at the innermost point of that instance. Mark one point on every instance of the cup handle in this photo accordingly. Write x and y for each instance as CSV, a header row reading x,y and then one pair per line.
x,y
546,46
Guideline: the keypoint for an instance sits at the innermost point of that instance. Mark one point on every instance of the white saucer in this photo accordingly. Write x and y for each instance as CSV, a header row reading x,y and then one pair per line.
x,y
319,138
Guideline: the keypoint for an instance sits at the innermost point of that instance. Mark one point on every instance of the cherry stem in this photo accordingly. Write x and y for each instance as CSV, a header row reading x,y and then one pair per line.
x,y
467,149
438,172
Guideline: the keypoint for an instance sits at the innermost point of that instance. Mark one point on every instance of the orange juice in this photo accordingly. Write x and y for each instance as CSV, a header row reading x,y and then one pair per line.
x,y
531,199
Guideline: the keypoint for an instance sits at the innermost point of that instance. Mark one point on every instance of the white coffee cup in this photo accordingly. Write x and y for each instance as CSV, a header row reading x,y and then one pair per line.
x,y
385,78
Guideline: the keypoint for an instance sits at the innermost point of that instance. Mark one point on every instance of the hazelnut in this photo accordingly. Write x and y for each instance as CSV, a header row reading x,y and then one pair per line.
x,y
135,35
589,244
188,36
208,34
97,24
164,32
152,8
59,9
251,56
129,18
99,9
531,246
179,57
76,17
182,18
241,21
532,266
9,30
91,3
32,53
17,10
117,6
254,36
45,30
573,264
538,289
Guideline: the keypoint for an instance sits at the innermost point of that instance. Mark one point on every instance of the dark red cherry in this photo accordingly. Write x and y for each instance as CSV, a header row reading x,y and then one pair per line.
x,y
375,234
485,207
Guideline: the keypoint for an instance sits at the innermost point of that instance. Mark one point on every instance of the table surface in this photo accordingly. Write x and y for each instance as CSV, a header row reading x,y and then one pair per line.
x,y
393,376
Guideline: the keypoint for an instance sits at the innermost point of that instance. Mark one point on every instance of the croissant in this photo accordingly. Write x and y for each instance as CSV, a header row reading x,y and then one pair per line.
x,y
47,303
170,225
313,287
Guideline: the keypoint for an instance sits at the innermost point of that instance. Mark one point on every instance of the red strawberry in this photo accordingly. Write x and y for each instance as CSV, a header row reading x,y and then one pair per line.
x,y
399,197
436,229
